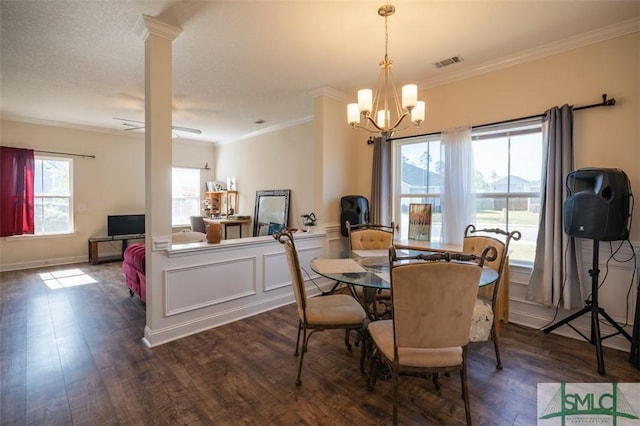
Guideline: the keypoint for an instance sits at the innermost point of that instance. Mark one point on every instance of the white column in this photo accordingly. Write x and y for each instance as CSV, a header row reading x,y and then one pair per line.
x,y
158,38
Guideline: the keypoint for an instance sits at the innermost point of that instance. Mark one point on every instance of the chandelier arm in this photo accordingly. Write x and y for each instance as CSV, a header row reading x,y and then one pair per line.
x,y
373,122
393,128
394,92
376,131
407,125
379,97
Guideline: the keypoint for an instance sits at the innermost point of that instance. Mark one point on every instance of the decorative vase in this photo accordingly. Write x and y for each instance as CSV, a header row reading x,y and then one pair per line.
x,y
214,233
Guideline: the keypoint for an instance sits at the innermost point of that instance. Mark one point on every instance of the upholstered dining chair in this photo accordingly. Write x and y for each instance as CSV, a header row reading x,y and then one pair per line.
x,y
335,311
486,315
432,300
197,224
367,236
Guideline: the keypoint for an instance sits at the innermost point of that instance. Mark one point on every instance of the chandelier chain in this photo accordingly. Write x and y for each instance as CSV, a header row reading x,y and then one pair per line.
x,y
386,40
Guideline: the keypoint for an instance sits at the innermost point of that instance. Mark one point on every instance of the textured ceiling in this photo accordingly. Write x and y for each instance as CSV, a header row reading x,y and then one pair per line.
x,y
80,62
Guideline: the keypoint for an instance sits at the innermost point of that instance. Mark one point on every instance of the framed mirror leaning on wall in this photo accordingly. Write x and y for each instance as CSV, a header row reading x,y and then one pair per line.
x,y
272,211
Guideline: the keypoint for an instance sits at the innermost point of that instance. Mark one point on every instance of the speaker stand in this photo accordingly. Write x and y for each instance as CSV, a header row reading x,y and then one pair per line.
x,y
595,310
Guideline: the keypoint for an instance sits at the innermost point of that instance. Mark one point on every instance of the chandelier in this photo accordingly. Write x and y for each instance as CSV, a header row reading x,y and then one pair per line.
x,y
375,109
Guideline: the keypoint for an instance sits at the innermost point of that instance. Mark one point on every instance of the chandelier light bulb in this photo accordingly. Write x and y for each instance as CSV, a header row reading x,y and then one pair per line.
x,y
409,96
383,118
417,113
365,100
353,114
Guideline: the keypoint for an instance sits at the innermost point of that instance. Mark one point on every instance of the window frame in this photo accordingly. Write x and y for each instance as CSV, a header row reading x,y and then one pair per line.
x,y
197,197
69,197
508,130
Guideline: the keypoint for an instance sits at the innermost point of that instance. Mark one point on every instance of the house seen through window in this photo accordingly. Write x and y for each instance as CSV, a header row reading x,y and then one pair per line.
x,y
185,195
53,202
507,170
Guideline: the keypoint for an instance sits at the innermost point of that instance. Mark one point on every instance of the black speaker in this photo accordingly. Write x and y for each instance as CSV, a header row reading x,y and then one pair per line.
x,y
597,204
355,209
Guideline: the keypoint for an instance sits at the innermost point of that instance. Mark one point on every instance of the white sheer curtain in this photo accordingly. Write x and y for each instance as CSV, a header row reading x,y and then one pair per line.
x,y
458,201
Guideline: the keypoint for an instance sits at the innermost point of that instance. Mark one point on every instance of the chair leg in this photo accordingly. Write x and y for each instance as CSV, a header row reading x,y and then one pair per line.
x,y
305,339
494,337
394,379
463,384
365,348
373,368
298,338
347,338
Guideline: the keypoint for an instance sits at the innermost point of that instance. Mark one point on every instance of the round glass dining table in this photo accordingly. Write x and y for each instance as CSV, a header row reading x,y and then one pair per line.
x,y
374,272
371,274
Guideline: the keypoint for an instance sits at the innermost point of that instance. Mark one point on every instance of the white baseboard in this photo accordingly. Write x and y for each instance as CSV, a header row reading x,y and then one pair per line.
x,y
40,263
532,315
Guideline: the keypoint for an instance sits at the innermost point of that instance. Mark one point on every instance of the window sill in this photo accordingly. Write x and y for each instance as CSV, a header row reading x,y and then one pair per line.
x,y
522,267
40,236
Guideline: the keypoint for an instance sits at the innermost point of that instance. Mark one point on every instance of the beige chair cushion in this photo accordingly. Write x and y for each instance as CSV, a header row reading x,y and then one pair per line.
x,y
382,333
370,239
440,294
481,321
475,245
186,236
334,309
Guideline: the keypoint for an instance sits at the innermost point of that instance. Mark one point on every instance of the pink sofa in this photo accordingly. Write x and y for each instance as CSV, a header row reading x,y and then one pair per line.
x,y
133,267
133,264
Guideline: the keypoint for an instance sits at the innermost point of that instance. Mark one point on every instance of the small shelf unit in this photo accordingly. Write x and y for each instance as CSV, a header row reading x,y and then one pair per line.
x,y
223,203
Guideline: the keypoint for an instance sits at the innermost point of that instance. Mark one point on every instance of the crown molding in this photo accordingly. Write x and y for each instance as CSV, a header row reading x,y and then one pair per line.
x,y
63,124
87,128
330,93
266,130
620,29
146,25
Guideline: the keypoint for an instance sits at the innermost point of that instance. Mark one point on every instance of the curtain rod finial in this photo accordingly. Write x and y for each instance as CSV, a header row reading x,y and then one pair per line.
x,y
607,102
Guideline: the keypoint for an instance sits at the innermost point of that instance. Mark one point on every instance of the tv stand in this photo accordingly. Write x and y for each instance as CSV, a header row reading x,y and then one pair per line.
x,y
94,257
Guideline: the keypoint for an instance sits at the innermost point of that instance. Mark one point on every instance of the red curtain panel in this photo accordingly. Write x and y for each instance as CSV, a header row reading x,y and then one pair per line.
x,y
16,191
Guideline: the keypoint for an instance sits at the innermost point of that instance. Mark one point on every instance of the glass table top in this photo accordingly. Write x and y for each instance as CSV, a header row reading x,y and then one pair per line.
x,y
373,271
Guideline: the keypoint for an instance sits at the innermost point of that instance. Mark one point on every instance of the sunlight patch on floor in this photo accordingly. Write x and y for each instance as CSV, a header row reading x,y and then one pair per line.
x,y
66,278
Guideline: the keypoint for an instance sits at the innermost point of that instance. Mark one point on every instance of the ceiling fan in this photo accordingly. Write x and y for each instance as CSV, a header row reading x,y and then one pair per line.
x,y
137,125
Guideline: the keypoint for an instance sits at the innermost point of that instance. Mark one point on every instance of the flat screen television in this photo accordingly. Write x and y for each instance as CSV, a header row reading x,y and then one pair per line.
x,y
125,224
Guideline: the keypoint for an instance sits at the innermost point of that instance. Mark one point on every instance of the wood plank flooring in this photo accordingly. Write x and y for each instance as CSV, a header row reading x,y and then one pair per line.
x,y
73,356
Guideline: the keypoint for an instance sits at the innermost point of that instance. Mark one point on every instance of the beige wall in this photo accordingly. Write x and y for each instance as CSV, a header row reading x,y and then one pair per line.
x,y
283,159
338,164
320,161
195,154
112,183
603,137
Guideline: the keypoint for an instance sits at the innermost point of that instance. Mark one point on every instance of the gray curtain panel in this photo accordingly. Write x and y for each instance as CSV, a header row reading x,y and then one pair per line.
x,y
380,205
556,273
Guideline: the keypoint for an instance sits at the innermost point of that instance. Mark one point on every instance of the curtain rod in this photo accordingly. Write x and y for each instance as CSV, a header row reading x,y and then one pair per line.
x,y
206,167
65,153
605,102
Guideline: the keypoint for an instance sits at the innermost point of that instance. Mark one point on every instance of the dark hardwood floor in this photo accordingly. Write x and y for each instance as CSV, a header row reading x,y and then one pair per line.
x,y
73,356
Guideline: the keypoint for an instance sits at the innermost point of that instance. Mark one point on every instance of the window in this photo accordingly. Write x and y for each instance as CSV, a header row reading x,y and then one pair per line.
x,y
53,203
507,163
185,198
